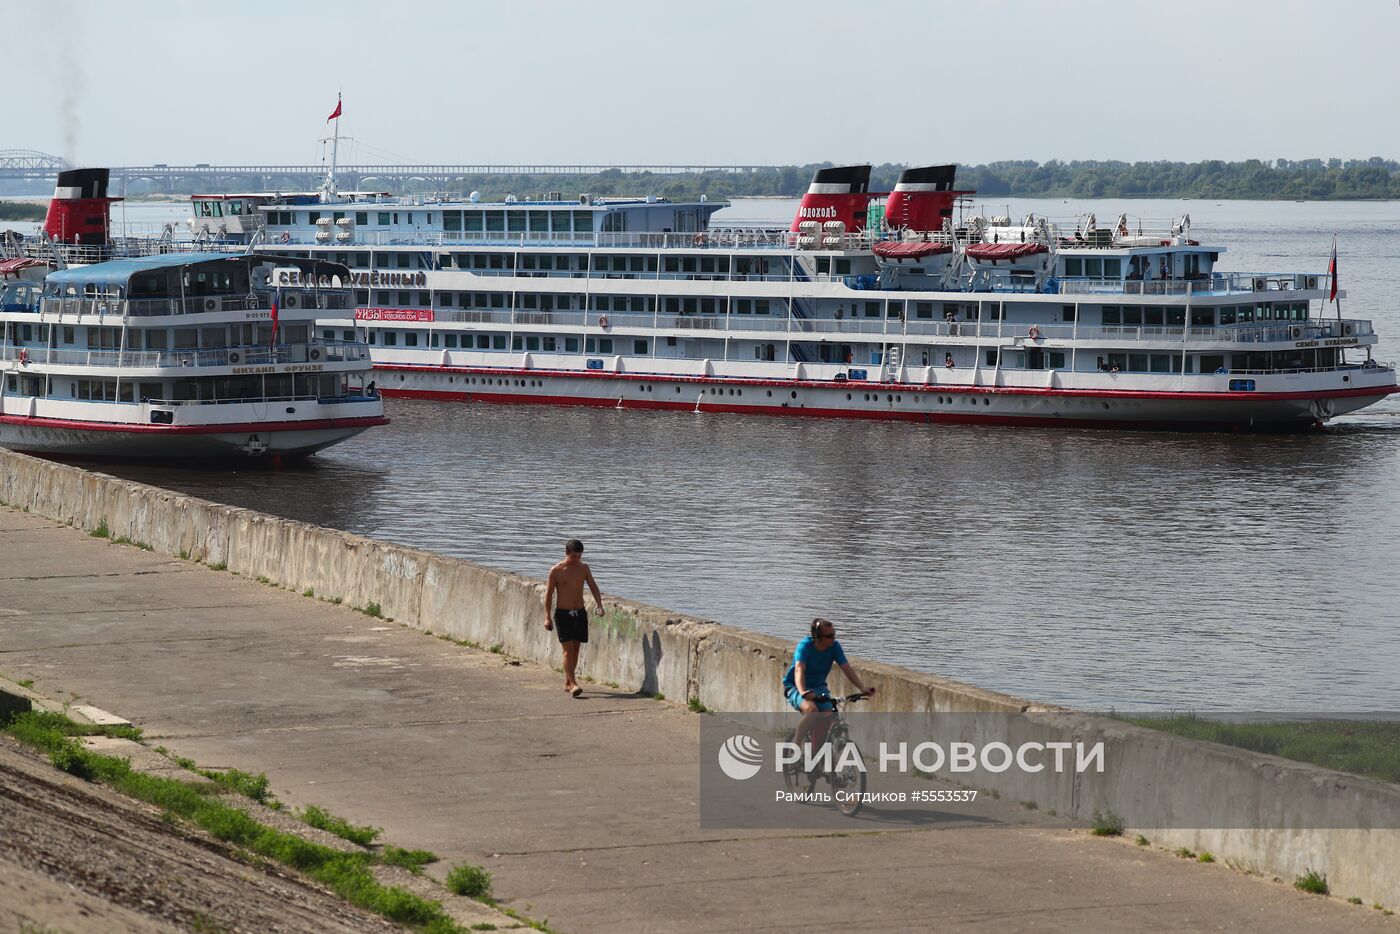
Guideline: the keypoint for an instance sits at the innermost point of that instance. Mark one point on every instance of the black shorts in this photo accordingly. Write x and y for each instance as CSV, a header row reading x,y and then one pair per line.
x,y
571,625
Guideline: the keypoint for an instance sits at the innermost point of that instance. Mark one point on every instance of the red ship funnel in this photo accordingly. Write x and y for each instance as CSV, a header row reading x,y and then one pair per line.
x,y
923,199
836,194
78,212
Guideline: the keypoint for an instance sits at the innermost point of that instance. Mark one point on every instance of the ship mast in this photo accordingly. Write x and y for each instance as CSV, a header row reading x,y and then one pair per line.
x,y
328,192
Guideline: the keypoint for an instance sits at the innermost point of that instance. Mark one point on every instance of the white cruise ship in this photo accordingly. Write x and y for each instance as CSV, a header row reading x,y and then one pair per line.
x,y
889,306
183,355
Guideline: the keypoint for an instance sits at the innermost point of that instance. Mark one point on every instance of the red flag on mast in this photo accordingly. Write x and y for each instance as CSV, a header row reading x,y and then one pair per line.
x,y
1332,273
335,113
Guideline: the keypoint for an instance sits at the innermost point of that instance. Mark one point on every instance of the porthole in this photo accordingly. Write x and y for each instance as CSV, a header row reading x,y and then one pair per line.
x,y
1105,405
889,397
794,393
867,397
770,392
678,389
986,401
449,379
848,397
401,377
899,398
741,392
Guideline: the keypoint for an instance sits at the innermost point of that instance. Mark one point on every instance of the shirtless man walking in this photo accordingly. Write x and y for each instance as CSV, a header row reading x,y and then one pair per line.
x,y
570,619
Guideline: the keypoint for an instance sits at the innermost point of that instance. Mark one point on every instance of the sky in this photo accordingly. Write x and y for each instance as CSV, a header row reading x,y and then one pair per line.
x,y
720,82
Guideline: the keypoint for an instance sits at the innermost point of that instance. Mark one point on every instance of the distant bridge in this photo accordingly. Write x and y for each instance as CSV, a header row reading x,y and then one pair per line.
x,y
28,166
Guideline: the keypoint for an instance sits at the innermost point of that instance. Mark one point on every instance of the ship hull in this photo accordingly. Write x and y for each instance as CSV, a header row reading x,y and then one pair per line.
x,y
998,405
53,438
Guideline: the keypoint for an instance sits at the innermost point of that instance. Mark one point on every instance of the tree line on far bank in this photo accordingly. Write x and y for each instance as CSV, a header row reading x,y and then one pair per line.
x,y
1253,179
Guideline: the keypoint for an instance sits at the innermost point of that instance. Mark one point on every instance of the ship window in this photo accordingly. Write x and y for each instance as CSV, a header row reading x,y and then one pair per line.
x,y
531,343
760,306
391,338
451,221
1202,317
743,306
495,221
1212,363
1162,363
410,338
571,345
328,335
872,309
515,221
843,267
1227,316
450,340
1132,315
1093,267
923,309
1112,267
471,221
639,347
1137,362
1067,312
823,265
894,309
1057,359
362,218
1074,266
1152,317
372,338
991,358
483,341
1176,316
539,221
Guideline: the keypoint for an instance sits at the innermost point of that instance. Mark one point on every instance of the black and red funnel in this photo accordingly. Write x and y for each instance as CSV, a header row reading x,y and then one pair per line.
x,y
78,212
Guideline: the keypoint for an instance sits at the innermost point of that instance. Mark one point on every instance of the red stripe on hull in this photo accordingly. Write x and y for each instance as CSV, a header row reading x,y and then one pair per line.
x,y
947,417
254,427
869,386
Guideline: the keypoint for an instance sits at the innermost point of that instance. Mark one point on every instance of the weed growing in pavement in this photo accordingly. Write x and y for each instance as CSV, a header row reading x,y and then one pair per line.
x,y
412,860
658,696
129,541
372,610
1185,852
1106,824
1354,900
497,648
471,881
696,707
308,592
1206,857
324,820
219,566
101,531
1312,881
1029,805
1140,840
26,683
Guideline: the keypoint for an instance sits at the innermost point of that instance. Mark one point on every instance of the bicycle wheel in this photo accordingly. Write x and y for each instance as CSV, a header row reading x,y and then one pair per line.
x,y
848,777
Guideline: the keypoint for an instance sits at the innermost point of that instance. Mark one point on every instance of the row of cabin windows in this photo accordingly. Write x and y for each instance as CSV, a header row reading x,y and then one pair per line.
x,y
1175,316
540,342
535,222
110,338
1095,267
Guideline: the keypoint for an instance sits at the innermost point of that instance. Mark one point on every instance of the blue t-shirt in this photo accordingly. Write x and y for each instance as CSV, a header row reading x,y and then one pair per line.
x,y
817,662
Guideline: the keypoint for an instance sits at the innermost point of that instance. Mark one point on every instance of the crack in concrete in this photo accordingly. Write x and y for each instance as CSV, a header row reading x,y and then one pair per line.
x,y
390,725
165,568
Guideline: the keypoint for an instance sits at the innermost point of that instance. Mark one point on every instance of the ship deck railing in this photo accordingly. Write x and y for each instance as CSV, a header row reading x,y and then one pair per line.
x,y
890,325
260,400
289,299
1218,283
328,351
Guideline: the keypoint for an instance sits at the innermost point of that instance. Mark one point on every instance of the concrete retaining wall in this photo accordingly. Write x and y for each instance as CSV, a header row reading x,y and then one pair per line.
x,y
1154,779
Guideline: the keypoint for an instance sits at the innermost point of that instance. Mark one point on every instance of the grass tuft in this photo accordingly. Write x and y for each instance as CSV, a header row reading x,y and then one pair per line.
x,y
1029,805
243,783
471,881
372,609
1312,881
412,860
695,706
309,592
26,683
219,566
322,819
1140,840
1106,824
1206,857
658,696
1185,852
101,531
497,648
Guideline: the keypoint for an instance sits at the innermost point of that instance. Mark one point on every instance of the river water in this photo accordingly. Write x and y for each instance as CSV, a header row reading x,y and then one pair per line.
x,y
1092,568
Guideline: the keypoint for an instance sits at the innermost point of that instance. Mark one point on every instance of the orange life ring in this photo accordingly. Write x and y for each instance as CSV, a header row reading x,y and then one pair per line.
x,y
1034,333
602,321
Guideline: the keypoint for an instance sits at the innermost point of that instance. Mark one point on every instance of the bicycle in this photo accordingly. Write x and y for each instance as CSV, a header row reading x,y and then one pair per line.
x,y
846,772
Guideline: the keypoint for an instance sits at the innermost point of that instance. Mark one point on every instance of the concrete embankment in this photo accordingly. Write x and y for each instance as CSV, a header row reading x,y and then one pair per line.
x,y
1256,811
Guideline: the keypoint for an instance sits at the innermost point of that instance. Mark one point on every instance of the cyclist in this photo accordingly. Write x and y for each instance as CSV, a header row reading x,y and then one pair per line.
x,y
805,682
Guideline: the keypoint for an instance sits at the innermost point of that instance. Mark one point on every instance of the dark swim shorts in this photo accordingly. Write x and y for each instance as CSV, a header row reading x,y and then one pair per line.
x,y
571,625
